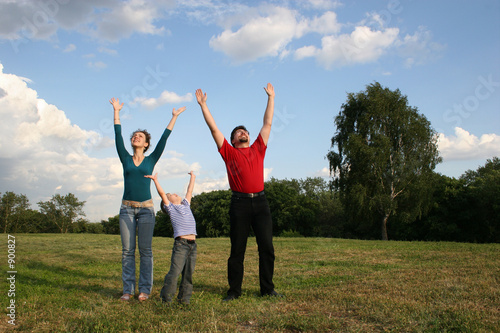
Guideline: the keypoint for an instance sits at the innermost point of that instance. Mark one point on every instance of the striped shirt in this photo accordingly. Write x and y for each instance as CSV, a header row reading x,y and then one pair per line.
x,y
181,217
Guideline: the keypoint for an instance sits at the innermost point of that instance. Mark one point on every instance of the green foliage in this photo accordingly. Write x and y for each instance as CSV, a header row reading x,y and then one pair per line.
x,y
284,197
211,212
483,187
112,225
13,209
83,226
464,209
331,219
383,154
63,210
295,205
290,234
163,226
440,223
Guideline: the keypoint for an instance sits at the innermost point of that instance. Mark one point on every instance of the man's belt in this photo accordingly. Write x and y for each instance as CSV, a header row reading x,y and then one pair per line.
x,y
248,195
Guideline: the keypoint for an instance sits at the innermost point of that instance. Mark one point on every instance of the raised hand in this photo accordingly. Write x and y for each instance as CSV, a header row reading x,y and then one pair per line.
x,y
116,104
175,113
269,90
201,97
178,111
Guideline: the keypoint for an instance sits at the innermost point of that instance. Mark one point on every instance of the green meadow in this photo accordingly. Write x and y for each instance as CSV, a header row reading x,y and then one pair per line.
x,y
72,283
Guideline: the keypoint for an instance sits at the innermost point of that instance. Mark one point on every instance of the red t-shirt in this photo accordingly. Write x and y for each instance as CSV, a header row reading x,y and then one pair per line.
x,y
245,166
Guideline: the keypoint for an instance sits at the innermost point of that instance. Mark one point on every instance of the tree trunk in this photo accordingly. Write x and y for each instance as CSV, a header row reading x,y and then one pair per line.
x,y
384,226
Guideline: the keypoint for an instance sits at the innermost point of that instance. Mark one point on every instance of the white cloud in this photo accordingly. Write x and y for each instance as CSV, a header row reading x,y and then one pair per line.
x,y
321,4
325,172
210,12
306,52
325,24
361,46
249,33
466,146
108,51
129,17
47,153
27,19
419,48
267,173
166,97
107,20
262,35
211,184
98,65
272,31
70,48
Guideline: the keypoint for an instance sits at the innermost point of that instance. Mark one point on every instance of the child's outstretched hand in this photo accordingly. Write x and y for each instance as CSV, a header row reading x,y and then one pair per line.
x,y
155,177
191,173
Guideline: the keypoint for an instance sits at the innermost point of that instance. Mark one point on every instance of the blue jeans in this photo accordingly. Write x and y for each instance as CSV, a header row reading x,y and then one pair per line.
x,y
142,222
182,262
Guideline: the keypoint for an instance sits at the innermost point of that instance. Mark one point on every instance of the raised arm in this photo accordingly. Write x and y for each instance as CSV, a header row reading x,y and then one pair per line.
x,y
116,107
120,145
265,132
162,193
160,147
216,133
175,114
189,193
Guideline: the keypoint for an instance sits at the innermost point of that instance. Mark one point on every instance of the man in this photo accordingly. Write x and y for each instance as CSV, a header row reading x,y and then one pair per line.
x,y
249,206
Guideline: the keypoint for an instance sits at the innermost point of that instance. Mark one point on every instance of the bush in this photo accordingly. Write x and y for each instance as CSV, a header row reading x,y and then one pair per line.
x,y
290,233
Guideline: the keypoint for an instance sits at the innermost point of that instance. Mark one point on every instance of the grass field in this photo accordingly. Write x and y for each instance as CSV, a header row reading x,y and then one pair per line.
x,y
72,283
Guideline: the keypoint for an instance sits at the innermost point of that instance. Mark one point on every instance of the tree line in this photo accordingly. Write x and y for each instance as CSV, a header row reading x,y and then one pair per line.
x,y
466,209
383,186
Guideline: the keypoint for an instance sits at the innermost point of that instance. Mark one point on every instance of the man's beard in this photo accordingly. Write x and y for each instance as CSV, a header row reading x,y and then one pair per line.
x,y
243,139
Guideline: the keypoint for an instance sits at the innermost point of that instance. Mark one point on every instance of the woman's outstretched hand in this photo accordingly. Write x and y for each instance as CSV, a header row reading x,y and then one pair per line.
x,y
116,104
178,111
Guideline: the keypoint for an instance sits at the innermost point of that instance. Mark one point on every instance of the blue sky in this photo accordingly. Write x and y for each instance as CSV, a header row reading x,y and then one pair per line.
x,y
61,61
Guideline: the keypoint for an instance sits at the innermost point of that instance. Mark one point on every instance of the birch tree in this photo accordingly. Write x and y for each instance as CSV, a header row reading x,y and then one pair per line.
x,y
383,151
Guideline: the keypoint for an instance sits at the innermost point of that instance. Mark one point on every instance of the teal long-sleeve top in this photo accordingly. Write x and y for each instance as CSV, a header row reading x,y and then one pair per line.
x,y
137,187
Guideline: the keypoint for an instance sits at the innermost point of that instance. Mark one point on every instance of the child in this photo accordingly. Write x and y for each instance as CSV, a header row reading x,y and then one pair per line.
x,y
184,249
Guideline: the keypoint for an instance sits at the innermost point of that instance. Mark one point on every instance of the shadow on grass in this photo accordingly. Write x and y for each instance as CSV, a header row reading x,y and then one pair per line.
x,y
56,277
52,278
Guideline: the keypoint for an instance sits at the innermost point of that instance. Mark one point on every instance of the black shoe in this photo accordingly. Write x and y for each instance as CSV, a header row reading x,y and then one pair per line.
x,y
273,293
183,304
166,301
230,297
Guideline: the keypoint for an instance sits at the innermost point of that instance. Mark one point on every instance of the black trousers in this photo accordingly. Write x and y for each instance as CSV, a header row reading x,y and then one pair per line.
x,y
255,213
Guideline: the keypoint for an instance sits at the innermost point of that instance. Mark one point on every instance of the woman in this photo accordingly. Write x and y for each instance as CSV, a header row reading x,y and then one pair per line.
x,y
136,211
